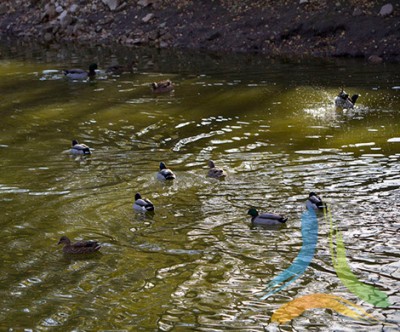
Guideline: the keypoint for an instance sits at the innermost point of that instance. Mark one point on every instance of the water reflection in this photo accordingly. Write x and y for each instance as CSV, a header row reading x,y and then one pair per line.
x,y
196,263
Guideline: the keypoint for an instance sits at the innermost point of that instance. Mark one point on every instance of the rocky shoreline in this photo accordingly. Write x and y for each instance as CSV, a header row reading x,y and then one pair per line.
x,y
351,28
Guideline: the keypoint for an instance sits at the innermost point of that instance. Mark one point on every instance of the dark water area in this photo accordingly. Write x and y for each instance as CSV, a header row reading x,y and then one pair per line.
x,y
197,263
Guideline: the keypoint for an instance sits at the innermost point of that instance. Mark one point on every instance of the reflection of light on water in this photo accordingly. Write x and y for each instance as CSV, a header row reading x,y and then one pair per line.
x,y
357,145
316,112
51,75
13,190
222,141
139,101
308,152
325,113
394,140
183,124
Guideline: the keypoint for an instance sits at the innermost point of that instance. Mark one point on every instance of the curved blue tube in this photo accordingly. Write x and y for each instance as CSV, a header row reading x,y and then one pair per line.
x,y
309,232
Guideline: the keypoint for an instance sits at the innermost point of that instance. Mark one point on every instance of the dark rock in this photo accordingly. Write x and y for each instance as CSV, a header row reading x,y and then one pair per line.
x,y
324,28
65,19
49,14
357,11
112,4
375,59
121,7
137,41
147,18
48,37
73,8
144,3
163,44
214,35
3,8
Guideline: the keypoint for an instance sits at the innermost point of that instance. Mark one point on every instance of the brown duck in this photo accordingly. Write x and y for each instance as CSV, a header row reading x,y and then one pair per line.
x,y
215,172
162,87
80,247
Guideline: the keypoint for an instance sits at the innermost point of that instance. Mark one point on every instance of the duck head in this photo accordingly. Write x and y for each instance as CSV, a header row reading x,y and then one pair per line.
x,y
162,165
64,240
253,212
211,164
343,95
138,196
93,67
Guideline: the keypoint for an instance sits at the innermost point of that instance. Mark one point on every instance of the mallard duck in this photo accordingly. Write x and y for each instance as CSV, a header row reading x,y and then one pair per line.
x,y
79,148
314,202
215,172
120,69
81,247
80,74
165,173
342,100
265,219
142,204
162,87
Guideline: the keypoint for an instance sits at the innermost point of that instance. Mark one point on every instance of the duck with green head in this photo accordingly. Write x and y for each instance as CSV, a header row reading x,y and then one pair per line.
x,y
265,219
79,148
80,74
142,204
314,202
343,101
165,173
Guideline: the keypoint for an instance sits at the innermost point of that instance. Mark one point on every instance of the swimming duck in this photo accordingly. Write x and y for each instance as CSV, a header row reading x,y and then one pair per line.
x,y
314,202
142,204
342,100
215,172
165,173
80,74
80,247
266,219
79,148
120,69
162,87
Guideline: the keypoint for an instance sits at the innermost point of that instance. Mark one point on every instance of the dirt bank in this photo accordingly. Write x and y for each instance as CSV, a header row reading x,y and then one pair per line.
x,y
351,28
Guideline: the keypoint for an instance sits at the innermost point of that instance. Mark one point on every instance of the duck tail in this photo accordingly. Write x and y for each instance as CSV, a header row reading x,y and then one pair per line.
x,y
149,207
322,206
354,98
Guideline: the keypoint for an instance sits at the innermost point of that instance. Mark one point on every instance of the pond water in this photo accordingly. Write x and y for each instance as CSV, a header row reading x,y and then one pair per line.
x,y
197,263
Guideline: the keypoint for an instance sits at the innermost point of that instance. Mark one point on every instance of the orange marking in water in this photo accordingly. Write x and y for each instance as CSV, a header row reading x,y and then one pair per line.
x,y
295,308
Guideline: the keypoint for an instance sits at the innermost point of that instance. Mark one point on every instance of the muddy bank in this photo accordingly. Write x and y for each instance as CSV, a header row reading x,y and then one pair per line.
x,y
351,28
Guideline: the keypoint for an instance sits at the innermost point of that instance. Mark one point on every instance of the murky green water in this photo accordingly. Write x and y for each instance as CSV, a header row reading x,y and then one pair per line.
x,y
197,264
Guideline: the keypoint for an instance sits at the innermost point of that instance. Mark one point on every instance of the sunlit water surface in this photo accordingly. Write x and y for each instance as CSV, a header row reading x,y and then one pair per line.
x,y
196,264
